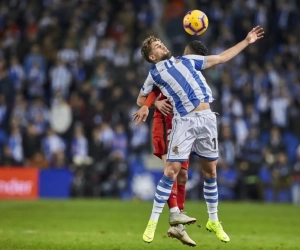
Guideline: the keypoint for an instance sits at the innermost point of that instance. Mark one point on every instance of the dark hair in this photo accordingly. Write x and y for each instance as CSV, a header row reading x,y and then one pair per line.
x,y
198,48
146,47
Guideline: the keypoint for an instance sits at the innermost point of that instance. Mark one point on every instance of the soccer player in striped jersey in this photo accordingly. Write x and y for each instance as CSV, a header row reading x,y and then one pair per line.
x,y
194,124
161,129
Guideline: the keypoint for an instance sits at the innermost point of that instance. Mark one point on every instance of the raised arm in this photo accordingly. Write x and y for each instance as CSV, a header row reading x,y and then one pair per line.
x,y
254,35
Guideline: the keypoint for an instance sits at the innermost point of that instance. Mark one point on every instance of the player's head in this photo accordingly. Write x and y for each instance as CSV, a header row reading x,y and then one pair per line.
x,y
195,47
154,51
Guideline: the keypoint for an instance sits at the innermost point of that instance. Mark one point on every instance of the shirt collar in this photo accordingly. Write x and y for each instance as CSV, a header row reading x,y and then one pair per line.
x,y
162,62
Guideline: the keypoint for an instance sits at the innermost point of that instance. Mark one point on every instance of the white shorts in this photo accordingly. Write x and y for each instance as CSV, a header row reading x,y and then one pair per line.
x,y
194,133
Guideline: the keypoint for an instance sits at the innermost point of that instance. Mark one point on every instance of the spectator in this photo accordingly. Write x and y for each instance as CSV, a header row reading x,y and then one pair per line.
x,y
52,144
60,78
279,109
100,80
121,57
79,145
59,160
101,25
3,112
227,180
6,86
120,141
60,115
68,55
106,49
106,135
251,160
227,147
36,81
251,151
16,73
19,110
31,142
15,145
115,175
294,114
274,145
31,27
281,171
88,47
296,180
34,58
98,150
46,20
7,159
139,139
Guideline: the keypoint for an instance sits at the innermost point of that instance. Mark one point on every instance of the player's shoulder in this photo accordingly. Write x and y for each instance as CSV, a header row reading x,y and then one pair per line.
x,y
192,57
180,58
153,72
188,58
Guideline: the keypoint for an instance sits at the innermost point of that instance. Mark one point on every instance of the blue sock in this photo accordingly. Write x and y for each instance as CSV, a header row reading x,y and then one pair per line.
x,y
210,192
162,194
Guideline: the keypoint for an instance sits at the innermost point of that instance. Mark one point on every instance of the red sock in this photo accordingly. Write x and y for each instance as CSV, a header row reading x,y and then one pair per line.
x,y
181,196
172,201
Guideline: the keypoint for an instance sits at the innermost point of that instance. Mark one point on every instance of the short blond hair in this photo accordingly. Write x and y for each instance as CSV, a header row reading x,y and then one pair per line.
x,y
146,47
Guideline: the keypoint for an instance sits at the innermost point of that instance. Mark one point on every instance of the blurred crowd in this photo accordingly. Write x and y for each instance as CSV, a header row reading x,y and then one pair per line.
x,y
70,72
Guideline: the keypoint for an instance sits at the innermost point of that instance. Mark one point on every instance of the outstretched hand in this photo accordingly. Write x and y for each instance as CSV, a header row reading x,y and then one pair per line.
x,y
141,115
255,34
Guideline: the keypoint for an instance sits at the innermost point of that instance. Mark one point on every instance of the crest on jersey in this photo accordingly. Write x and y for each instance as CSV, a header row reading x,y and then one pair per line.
x,y
177,61
175,149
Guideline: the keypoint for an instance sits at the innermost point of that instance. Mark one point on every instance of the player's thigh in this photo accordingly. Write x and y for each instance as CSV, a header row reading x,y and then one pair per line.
x,y
181,139
206,144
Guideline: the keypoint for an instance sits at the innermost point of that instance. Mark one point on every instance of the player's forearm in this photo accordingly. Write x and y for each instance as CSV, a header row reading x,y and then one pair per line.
x,y
233,51
150,100
140,100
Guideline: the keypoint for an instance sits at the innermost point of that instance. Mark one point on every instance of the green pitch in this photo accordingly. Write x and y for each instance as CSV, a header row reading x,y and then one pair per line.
x,y
116,225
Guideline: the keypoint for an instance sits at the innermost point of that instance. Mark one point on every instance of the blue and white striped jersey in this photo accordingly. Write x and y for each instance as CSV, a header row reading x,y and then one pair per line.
x,y
180,80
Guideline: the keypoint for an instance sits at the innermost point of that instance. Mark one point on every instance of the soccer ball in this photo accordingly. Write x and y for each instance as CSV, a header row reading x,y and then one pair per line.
x,y
195,22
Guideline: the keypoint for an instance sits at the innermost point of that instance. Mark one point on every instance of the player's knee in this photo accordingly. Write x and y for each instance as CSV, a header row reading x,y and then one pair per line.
x,y
209,173
172,169
209,168
182,177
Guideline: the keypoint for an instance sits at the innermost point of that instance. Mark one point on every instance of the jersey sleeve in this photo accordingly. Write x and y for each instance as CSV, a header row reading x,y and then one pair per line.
x,y
151,97
199,61
148,86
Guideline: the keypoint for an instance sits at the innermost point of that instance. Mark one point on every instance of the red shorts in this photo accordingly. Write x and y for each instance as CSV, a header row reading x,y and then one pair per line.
x,y
161,130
